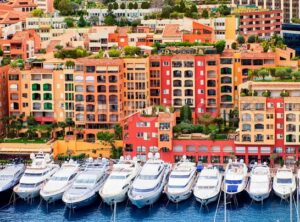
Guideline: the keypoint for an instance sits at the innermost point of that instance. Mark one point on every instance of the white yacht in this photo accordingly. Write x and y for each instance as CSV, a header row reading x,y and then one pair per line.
x,y
260,183
235,179
284,182
60,182
181,181
83,191
34,177
148,185
208,185
11,175
117,184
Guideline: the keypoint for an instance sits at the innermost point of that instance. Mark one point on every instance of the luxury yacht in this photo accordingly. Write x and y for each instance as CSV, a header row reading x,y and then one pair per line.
x,y
208,185
117,184
260,183
60,182
148,185
11,175
235,179
284,183
87,183
34,177
181,181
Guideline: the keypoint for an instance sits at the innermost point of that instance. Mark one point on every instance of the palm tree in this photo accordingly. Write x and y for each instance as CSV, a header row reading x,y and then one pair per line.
x,y
219,121
5,120
31,132
252,74
69,123
206,119
54,125
63,126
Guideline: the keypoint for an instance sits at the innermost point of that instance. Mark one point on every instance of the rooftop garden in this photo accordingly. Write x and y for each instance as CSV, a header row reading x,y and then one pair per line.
x,y
216,128
70,53
277,74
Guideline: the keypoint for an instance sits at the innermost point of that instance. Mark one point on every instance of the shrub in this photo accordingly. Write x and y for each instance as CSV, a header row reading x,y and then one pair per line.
x,y
240,39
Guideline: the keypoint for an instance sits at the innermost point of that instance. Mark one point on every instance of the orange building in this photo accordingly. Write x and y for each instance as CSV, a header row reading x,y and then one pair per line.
x,y
200,33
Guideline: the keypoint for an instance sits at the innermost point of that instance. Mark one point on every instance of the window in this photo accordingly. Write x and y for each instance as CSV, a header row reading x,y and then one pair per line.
x,y
166,63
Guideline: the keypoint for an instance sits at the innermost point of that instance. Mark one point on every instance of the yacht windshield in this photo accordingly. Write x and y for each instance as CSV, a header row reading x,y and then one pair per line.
x,y
117,177
209,177
33,174
284,181
179,176
59,178
148,177
176,186
85,180
30,185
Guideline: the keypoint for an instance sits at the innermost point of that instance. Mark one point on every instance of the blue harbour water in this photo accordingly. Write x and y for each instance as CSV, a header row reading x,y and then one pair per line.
x,y
188,211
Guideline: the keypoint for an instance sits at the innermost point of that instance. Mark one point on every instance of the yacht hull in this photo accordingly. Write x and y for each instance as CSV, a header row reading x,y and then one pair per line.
x,y
81,203
27,194
50,198
284,195
111,199
259,197
142,201
178,197
207,200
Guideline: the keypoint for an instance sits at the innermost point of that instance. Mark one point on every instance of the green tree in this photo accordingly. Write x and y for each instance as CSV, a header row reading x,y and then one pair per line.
x,y
123,5
132,50
240,39
263,73
69,123
110,7
106,136
31,132
118,131
166,11
296,75
145,5
81,22
130,5
186,114
223,10
205,119
63,126
219,121
281,74
110,19
37,12
252,74
135,5
204,13
220,46
234,45
5,61
66,7
114,52
31,121
69,22
116,5
181,7
252,39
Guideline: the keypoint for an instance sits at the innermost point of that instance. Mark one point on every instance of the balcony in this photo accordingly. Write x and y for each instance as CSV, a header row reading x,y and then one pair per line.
x,y
188,83
113,118
14,96
177,102
177,83
246,127
226,71
36,87
113,108
79,98
226,80
101,79
47,106
113,89
177,74
211,74
188,64
226,98
226,89
188,74
177,92
291,128
47,87
36,106
246,138
90,118
259,138
101,99
90,108
176,64
290,117
188,92
101,89
113,100
90,88
79,108
259,127
36,96
211,83
259,117
102,118
47,96
113,79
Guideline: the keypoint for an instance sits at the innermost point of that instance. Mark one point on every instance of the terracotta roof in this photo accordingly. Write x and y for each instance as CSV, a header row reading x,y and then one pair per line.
x,y
12,17
21,3
171,30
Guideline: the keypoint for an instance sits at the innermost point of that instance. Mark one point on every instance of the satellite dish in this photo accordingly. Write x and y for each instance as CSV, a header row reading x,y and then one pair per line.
x,y
157,156
150,155
122,158
32,156
184,157
241,161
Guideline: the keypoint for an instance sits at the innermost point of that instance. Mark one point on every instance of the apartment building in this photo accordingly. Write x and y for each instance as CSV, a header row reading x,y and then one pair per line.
x,y
130,14
46,5
22,5
9,17
269,122
260,22
151,131
23,45
290,8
